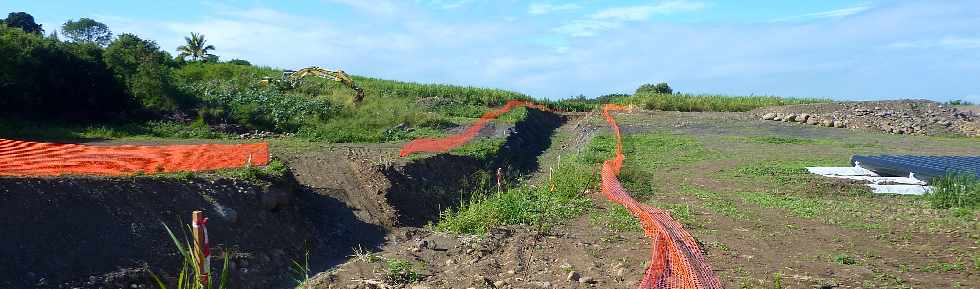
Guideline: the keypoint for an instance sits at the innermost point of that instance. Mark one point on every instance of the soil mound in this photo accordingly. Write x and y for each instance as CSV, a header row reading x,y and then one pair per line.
x,y
914,117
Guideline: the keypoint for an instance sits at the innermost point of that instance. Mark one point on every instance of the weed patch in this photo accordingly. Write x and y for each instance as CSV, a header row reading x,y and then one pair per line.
x,y
955,191
401,272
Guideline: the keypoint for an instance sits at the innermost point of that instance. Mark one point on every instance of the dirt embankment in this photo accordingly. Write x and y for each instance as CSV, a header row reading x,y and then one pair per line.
x,y
399,193
914,117
106,232
88,232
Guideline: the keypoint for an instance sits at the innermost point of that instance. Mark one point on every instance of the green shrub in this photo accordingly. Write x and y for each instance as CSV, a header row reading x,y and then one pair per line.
x,y
146,71
401,272
659,88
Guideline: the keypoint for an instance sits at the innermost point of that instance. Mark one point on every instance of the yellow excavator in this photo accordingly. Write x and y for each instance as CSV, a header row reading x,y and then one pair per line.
x,y
290,78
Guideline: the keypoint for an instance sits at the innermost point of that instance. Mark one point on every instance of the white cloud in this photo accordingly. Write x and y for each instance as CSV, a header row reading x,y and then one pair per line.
x,y
643,12
545,8
615,17
378,7
449,4
948,42
838,13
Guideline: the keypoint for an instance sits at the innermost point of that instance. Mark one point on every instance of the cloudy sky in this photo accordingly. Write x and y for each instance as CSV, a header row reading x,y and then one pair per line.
x,y
829,48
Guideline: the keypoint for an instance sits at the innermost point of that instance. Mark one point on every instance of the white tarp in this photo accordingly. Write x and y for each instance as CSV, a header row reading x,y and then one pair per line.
x,y
881,185
901,189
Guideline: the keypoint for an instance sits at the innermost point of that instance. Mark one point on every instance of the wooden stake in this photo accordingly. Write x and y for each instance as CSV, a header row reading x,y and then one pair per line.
x,y
197,217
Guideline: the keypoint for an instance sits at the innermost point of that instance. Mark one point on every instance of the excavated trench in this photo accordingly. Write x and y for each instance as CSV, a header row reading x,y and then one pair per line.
x,y
93,232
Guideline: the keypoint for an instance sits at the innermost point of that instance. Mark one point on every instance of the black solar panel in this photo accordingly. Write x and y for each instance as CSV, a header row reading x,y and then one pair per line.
x,y
924,167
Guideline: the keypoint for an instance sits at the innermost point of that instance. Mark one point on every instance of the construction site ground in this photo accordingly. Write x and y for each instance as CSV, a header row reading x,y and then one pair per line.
x,y
738,185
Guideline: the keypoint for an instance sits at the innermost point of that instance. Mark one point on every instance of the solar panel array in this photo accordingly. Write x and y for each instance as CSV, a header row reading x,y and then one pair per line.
x,y
924,167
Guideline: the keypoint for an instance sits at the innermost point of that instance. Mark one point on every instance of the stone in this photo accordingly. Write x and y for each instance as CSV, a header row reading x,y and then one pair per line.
x,y
499,283
586,280
573,276
541,284
769,116
789,117
827,123
803,118
839,124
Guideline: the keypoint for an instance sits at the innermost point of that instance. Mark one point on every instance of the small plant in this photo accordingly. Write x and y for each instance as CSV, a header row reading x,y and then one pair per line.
x,y
844,259
301,269
188,276
401,272
777,280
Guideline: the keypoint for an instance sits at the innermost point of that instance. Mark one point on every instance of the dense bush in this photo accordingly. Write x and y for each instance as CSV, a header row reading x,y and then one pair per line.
x,y
661,88
46,79
146,71
248,104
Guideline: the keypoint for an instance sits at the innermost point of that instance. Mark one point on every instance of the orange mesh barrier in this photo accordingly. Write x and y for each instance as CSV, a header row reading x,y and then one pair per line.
x,y
440,145
675,260
675,257
23,158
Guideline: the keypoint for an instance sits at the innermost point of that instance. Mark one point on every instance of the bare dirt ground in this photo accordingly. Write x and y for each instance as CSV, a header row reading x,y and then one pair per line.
x,y
762,223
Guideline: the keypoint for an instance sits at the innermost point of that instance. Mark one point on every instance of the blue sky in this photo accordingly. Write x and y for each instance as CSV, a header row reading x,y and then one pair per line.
x,y
840,49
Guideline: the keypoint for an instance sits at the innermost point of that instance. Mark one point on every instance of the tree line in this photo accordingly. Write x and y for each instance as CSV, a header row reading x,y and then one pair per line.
x,y
93,74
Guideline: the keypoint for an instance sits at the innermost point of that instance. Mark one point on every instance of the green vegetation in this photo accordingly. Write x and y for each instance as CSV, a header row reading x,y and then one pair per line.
x,y
538,206
275,171
780,172
87,30
955,191
782,140
958,102
616,218
688,102
187,277
135,130
401,272
659,88
843,259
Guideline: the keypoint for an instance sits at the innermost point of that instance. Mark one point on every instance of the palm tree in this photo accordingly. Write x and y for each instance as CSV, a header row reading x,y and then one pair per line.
x,y
195,48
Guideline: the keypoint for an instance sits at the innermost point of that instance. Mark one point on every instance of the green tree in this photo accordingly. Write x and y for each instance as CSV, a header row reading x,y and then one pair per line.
x,y
87,30
45,79
196,48
146,71
23,21
659,88
239,62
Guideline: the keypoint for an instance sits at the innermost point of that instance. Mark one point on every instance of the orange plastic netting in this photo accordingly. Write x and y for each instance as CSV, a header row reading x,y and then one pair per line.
x,y
676,260
438,145
24,158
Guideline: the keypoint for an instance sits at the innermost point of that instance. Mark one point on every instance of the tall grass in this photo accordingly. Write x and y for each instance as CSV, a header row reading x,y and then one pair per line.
x,y
188,276
701,103
955,191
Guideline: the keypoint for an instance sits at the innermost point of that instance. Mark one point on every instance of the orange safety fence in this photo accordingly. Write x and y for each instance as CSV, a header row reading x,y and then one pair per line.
x,y
439,145
24,158
676,260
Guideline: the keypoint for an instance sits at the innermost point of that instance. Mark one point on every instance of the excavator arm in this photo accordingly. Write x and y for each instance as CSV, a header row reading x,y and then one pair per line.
x,y
339,75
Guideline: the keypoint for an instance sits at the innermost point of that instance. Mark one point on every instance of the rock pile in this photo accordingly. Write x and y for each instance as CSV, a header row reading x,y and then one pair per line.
x,y
913,117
